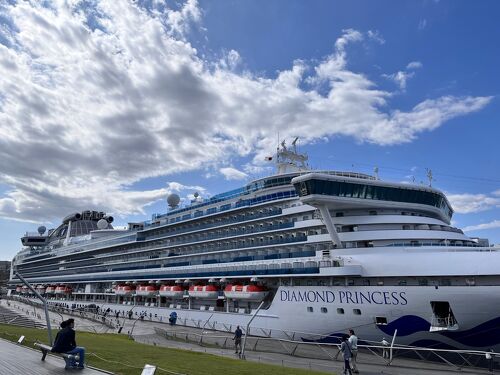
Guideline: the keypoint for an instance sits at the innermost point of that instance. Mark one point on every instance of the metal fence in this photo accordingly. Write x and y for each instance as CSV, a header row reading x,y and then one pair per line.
x,y
376,352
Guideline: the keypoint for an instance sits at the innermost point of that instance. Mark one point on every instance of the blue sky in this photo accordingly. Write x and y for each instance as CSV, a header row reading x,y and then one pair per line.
x,y
113,106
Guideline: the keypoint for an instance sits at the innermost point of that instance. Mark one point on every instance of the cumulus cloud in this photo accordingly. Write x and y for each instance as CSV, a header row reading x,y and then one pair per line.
x,y
98,97
231,173
471,203
491,225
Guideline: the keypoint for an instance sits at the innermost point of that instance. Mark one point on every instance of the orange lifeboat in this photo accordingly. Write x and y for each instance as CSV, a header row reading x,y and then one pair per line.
x,y
146,290
61,289
124,290
50,290
172,291
247,292
204,291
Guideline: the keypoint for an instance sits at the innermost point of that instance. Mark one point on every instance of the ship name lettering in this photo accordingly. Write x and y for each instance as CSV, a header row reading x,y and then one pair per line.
x,y
345,297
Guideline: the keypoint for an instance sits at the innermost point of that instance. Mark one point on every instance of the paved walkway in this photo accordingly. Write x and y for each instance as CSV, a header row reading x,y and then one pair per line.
x,y
367,364
19,360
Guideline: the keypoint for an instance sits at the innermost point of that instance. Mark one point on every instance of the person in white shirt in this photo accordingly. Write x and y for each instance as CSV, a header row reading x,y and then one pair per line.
x,y
385,351
353,340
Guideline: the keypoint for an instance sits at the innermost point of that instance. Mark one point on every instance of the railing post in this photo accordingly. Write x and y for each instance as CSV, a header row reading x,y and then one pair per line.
x,y
248,328
47,318
392,345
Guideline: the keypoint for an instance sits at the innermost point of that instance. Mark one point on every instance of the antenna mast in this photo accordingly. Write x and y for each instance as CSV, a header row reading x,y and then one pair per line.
x,y
429,176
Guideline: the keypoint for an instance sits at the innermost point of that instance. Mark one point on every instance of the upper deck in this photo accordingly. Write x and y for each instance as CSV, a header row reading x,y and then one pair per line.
x,y
327,189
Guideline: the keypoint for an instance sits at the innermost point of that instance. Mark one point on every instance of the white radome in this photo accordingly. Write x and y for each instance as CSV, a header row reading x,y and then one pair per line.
x,y
102,224
173,200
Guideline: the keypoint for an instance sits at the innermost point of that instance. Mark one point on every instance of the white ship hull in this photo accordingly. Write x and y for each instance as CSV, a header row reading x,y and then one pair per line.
x,y
407,310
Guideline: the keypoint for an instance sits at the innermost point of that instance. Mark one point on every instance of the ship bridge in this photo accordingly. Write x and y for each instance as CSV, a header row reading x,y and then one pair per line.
x,y
334,193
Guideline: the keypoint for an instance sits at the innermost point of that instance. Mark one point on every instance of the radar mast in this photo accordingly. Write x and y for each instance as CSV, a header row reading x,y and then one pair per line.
x,y
290,160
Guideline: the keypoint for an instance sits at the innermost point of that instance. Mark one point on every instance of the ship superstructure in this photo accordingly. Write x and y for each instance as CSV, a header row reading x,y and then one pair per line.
x,y
319,251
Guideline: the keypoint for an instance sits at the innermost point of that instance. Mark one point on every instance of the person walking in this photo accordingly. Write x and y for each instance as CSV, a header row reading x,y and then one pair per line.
x,y
385,351
346,350
238,333
353,340
66,343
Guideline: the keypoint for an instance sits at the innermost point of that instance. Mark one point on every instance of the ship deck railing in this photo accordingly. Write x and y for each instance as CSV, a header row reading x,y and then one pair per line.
x,y
242,218
268,228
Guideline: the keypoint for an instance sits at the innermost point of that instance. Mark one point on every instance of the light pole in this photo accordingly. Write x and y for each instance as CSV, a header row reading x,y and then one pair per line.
x,y
47,318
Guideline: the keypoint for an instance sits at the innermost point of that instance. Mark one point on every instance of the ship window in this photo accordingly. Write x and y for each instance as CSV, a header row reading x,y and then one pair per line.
x,y
402,283
340,310
366,282
339,214
356,311
373,212
309,309
324,310
381,320
423,282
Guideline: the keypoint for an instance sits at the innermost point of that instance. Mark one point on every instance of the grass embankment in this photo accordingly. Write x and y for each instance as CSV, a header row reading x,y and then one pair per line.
x,y
127,357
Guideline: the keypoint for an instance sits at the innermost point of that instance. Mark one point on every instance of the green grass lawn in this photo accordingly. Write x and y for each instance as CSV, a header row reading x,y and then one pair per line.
x,y
125,352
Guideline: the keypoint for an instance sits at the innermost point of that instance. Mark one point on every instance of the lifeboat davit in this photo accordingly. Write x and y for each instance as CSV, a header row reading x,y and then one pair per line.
x,y
124,290
246,292
146,291
40,289
172,291
61,289
50,290
204,291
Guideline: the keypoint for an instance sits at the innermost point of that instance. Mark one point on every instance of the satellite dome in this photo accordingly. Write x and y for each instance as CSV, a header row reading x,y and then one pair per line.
x,y
102,224
196,194
41,230
173,200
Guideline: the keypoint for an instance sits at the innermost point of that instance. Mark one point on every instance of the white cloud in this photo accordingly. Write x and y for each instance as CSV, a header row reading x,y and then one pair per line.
x,y
491,225
89,108
376,36
471,203
230,60
231,173
414,65
400,78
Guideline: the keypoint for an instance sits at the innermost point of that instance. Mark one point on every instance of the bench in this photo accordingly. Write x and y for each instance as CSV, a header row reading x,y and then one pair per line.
x,y
46,349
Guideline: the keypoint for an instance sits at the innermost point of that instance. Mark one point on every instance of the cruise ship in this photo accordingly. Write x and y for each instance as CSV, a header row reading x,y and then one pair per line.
x,y
318,252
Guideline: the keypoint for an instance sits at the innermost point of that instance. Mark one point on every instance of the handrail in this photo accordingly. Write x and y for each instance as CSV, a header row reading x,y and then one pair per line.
x,y
376,349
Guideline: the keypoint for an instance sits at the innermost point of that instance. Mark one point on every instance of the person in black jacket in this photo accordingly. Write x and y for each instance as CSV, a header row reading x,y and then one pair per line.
x,y
65,343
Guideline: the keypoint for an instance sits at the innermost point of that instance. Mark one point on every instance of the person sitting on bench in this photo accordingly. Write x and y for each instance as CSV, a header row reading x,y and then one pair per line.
x,y
65,343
